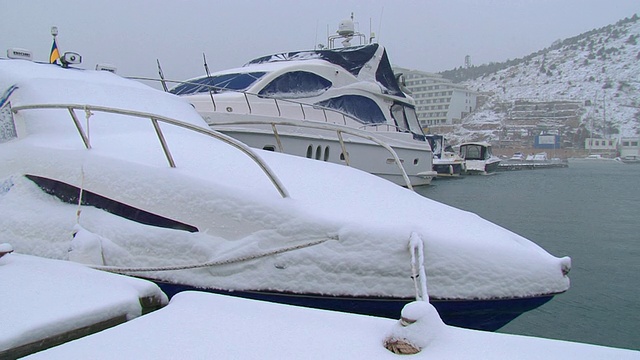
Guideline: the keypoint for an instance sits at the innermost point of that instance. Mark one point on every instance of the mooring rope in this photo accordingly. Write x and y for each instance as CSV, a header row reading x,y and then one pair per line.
x,y
79,209
124,270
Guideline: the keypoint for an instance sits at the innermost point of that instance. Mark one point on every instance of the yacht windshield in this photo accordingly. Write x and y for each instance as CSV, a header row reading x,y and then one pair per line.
x,y
473,152
237,82
360,107
407,120
296,84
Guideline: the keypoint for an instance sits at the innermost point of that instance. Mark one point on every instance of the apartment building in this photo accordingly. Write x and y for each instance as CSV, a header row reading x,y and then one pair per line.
x,y
439,101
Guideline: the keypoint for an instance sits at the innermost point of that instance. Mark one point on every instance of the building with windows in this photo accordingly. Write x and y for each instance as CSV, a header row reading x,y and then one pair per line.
x,y
629,148
439,101
601,145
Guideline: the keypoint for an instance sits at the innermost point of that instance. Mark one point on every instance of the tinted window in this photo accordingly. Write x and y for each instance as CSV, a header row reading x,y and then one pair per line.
x,y
360,107
296,84
221,82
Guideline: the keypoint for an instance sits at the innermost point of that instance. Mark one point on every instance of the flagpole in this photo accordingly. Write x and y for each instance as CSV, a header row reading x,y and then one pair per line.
x,y
54,48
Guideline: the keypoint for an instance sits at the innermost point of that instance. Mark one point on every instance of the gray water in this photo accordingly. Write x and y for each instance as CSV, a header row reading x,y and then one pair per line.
x,y
590,212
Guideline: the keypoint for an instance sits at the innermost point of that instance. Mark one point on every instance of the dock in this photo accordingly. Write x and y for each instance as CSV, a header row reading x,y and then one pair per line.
x,y
46,302
508,165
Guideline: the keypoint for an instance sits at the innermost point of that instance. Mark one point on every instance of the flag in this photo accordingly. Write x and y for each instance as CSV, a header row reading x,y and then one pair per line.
x,y
55,55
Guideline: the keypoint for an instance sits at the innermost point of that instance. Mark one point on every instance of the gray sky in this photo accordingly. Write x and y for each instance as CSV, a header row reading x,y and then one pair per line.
x,y
431,35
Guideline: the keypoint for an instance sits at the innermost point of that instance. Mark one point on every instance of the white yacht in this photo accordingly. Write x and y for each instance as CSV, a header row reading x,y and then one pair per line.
x,y
108,172
341,105
446,162
478,158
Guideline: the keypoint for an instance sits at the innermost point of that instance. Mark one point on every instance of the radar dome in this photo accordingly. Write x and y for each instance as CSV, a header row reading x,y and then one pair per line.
x,y
346,28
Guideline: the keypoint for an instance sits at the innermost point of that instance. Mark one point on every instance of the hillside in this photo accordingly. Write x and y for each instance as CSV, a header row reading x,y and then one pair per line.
x,y
588,84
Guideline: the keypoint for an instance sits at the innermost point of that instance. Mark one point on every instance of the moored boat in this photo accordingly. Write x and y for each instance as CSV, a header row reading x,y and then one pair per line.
x,y
446,162
339,105
128,179
478,158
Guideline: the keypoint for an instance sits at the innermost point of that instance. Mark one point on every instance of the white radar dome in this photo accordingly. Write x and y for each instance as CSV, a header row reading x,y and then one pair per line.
x,y
346,28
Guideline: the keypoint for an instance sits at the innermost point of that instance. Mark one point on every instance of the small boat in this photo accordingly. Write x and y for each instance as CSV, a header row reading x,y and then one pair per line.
x,y
630,159
532,161
129,179
339,105
478,158
595,159
446,162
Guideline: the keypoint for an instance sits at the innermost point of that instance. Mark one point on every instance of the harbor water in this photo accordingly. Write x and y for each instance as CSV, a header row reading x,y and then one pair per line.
x,y
590,212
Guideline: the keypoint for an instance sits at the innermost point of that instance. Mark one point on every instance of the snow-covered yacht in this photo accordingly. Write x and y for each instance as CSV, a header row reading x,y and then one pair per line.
x,y
341,105
446,162
108,172
478,158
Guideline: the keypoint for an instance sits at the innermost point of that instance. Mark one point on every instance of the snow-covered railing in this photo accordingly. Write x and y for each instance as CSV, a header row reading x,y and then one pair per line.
x,y
155,120
339,129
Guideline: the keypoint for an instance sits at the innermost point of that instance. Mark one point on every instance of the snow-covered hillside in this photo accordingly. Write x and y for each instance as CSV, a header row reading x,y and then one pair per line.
x,y
595,74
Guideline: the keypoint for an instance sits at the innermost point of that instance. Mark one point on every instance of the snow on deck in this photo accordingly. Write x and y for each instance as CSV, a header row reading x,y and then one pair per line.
x,y
43,299
203,325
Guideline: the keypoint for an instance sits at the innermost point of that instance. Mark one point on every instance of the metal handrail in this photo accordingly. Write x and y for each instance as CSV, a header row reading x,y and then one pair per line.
x,y
212,90
154,118
339,129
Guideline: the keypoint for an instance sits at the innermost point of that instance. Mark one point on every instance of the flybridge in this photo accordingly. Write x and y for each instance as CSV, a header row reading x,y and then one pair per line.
x,y
352,59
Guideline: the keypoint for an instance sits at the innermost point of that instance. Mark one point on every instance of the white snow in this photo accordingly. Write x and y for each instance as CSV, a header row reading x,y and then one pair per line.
x,y
43,297
577,71
202,325
236,208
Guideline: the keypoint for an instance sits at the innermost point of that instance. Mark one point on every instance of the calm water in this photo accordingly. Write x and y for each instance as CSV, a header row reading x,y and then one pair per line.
x,y
590,212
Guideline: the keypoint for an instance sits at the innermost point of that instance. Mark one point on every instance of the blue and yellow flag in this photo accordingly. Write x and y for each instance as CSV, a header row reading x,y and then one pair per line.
x,y
55,55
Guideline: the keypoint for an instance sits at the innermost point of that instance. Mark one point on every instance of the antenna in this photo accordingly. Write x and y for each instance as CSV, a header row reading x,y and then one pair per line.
x,y
206,67
164,83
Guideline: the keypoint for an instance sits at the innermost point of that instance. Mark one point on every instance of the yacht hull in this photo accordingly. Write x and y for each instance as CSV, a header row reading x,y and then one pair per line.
x,y
487,315
362,154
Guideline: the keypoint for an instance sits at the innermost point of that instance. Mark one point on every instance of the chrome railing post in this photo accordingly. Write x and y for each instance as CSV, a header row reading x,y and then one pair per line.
x,y
277,107
83,135
344,149
163,142
212,101
247,100
275,133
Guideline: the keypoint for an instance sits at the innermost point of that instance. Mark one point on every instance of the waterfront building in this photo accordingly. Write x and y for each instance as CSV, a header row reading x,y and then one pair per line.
x,y
439,102
602,146
630,148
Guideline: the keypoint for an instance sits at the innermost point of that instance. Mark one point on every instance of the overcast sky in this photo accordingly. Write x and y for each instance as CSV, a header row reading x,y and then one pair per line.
x,y
430,35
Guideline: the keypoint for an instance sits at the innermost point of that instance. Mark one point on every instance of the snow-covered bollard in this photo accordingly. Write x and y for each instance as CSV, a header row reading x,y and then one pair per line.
x,y
418,326
86,247
5,248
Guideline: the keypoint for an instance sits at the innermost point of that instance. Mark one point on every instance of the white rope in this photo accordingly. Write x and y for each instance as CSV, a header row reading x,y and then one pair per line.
x,y
87,115
416,247
79,210
212,263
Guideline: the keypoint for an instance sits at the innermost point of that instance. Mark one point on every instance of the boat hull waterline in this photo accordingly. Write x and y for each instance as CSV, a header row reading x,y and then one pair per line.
x,y
487,315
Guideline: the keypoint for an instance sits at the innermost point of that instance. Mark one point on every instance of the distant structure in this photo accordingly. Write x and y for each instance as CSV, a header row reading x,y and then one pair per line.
x,y
597,145
467,61
630,149
439,102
